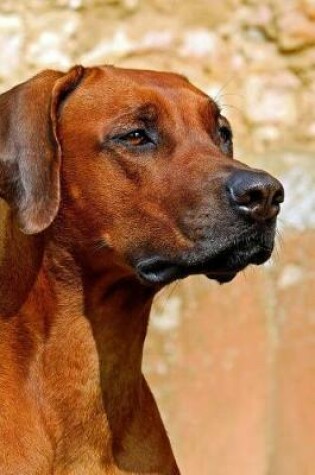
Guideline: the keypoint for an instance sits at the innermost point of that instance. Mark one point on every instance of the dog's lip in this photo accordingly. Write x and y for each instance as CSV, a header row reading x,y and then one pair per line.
x,y
160,270
156,270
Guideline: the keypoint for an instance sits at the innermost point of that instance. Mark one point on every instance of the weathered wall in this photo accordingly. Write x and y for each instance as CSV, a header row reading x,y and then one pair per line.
x,y
232,367
257,57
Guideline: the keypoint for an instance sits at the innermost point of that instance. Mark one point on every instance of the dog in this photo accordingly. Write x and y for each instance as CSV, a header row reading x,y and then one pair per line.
x,y
114,183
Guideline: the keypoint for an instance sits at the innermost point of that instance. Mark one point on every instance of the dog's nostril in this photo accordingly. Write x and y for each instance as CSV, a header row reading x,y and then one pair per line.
x,y
254,197
255,194
278,197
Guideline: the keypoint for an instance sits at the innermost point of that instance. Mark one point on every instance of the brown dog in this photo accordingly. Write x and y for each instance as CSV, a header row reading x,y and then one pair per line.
x,y
115,182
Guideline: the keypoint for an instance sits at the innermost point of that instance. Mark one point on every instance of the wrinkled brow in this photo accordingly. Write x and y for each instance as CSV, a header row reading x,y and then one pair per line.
x,y
147,112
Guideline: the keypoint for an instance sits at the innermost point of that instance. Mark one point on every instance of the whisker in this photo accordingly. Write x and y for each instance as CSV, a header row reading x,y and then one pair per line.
x,y
230,106
225,84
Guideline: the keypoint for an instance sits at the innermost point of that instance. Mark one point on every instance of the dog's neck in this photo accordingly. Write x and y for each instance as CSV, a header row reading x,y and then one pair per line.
x,y
117,307
112,300
87,327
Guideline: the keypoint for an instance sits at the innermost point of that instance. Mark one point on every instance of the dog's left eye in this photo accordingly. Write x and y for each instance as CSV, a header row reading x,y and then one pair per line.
x,y
225,139
225,133
136,138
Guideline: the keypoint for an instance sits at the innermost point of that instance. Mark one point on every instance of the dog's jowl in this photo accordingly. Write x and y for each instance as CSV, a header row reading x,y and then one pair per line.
x,y
113,183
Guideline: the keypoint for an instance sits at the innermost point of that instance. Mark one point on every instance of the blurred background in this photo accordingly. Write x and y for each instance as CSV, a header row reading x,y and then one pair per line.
x,y
232,367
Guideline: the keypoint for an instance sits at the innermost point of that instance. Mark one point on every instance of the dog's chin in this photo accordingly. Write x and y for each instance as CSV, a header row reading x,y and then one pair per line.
x,y
221,267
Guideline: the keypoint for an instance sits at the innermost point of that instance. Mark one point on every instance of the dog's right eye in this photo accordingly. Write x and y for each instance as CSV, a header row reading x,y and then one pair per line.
x,y
136,138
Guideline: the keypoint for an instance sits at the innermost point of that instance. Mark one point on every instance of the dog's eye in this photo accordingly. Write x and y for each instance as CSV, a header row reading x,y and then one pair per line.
x,y
225,138
136,138
225,133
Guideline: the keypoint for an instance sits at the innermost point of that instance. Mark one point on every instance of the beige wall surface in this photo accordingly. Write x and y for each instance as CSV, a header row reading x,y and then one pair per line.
x,y
233,366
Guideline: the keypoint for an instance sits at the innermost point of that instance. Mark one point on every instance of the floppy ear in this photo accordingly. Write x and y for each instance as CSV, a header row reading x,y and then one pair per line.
x,y
30,152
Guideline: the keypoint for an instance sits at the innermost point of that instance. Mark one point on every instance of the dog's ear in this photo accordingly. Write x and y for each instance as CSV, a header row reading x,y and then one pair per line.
x,y
30,151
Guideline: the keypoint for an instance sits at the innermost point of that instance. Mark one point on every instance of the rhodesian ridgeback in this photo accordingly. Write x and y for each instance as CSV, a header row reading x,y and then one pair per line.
x,y
114,183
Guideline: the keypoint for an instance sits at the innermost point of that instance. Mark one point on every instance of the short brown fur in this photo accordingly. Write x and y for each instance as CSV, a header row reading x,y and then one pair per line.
x,y
77,209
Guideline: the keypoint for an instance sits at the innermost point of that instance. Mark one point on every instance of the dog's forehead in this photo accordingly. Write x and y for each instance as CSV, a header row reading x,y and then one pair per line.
x,y
119,87
150,78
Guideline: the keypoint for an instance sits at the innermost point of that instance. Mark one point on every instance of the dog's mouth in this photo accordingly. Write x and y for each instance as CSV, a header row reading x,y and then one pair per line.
x,y
222,266
158,271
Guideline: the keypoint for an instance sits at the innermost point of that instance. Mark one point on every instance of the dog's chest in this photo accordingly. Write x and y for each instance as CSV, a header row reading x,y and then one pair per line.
x,y
72,391
64,397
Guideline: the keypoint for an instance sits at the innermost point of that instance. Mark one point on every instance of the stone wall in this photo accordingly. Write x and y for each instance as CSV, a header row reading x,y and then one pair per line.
x,y
232,367
257,58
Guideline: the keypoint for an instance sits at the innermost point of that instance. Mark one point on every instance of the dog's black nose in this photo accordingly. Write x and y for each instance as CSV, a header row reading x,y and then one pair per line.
x,y
255,194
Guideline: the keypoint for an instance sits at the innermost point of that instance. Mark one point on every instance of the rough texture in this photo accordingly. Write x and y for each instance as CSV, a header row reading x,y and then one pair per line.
x,y
257,58
232,367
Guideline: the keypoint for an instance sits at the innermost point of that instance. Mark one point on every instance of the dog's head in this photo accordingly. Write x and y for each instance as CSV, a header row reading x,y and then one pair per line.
x,y
148,173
